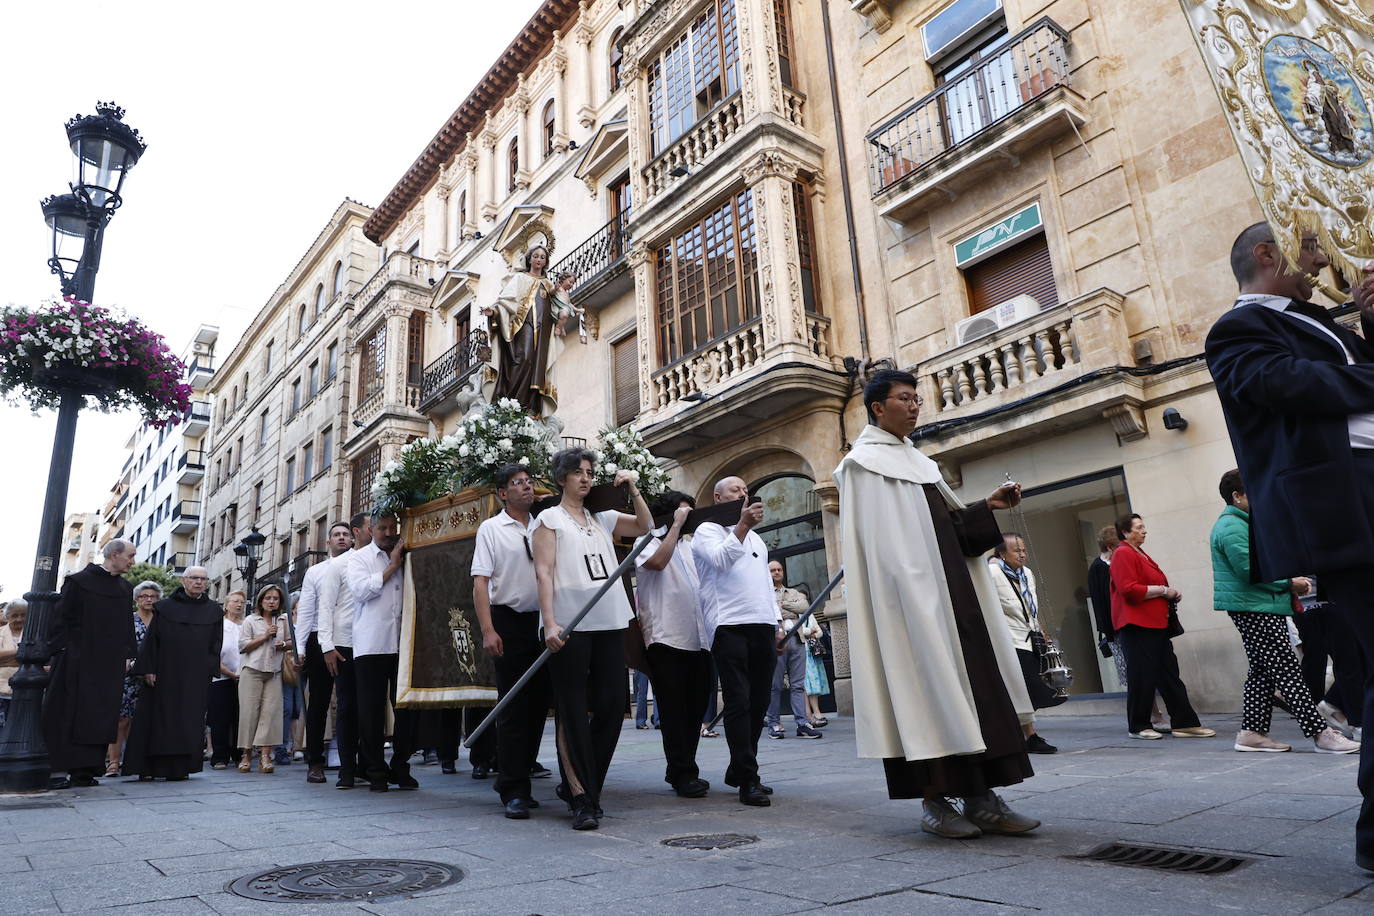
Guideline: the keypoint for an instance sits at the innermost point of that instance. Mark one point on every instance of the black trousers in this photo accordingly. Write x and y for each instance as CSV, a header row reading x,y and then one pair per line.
x,y
1325,636
521,726
682,682
1349,591
222,716
1151,665
375,679
345,713
319,685
588,680
746,657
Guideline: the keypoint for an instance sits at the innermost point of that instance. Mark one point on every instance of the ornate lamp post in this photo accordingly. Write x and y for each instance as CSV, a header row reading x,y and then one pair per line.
x,y
247,553
105,149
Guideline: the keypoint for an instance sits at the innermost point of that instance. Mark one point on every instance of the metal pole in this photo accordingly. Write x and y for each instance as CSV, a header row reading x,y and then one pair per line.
x,y
84,280
23,752
613,579
796,630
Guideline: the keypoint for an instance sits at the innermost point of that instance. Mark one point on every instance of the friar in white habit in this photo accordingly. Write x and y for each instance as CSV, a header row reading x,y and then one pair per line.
x,y
938,691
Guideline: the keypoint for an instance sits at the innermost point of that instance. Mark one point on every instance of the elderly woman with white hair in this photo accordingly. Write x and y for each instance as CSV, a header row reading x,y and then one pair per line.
x,y
16,612
146,594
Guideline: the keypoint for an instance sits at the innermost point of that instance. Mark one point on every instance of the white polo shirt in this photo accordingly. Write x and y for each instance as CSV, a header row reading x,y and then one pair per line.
x,y
504,554
735,585
307,606
377,604
336,605
669,599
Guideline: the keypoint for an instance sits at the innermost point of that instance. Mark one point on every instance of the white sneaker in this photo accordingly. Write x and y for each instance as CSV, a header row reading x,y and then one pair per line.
x,y
1335,719
1147,734
1331,741
1259,742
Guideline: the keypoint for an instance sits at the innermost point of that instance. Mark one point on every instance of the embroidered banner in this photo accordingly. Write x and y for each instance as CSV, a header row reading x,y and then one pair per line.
x,y
1296,80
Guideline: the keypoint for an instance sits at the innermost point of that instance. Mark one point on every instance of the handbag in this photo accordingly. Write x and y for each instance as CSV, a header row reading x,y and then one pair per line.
x,y
1175,627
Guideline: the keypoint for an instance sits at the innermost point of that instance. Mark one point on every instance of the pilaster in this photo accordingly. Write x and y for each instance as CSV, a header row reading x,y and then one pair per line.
x,y
760,79
640,258
771,175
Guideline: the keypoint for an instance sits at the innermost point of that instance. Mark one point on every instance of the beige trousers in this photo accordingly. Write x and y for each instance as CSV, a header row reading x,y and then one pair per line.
x,y
260,711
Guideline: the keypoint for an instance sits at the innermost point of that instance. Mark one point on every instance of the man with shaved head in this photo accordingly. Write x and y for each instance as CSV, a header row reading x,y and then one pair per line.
x,y
92,640
741,618
179,656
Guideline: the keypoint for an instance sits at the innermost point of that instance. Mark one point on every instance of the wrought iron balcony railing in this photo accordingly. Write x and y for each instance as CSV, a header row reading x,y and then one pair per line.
x,y
605,249
446,373
1011,76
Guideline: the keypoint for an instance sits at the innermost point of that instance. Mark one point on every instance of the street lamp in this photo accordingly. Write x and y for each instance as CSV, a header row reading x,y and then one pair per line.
x,y
105,149
247,553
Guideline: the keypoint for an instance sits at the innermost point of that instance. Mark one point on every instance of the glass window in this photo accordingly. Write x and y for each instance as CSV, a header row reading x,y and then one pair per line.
x,y
955,22
303,321
295,396
331,361
550,128
372,363
290,475
319,299
313,377
793,529
696,72
616,58
338,277
307,463
327,448
262,430
267,357
512,164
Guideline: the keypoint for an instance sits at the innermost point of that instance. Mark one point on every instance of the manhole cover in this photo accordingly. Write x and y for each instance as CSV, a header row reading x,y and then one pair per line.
x,y
710,841
346,879
1166,858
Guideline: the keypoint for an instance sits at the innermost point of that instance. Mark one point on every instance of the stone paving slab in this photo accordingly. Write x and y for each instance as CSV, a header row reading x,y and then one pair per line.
x,y
831,840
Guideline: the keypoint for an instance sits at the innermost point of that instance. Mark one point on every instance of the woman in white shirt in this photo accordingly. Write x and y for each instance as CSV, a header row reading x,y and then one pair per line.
x,y
262,646
222,706
574,555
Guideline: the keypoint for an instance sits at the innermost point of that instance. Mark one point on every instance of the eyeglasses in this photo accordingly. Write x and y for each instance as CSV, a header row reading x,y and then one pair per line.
x,y
907,399
197,578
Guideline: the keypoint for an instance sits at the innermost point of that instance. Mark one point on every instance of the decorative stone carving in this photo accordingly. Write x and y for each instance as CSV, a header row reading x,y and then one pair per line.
x,y
558,58
654,24
1128,422
771,163
583,32
829,495
876,12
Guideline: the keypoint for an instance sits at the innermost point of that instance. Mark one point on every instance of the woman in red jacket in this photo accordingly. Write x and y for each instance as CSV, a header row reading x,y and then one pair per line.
x,y
1140,612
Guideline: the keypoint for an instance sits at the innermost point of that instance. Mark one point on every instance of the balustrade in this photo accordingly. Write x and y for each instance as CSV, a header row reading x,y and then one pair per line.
x,y
727,358
697,145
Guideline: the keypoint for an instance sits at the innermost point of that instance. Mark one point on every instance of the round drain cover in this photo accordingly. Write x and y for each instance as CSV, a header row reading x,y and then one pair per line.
x,y
710,841
346,879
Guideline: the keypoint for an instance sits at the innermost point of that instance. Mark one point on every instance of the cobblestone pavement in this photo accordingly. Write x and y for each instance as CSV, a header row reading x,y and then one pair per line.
x,y
831,839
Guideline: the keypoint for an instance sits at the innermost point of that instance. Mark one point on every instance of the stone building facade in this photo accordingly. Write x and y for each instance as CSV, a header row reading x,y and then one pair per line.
x,y
156,502
281,405
761,200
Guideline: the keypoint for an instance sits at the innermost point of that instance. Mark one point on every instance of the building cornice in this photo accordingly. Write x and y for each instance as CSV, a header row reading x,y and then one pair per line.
x,y
534,41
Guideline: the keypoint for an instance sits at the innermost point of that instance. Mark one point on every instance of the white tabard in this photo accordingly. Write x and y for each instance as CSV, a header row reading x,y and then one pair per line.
x,y
911,690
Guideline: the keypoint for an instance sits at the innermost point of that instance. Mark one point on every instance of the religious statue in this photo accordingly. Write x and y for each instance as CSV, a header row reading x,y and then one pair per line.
x,y
530,312
1327,113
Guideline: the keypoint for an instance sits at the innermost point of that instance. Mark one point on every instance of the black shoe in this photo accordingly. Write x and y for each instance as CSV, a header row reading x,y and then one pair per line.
x,y
448,767
517,809
345,781
429,759
481,772
754,795
76,781
561,790
531,803
692,788
1364,860
584,818
378,786
766,790
539,771
1037,745
405,782
806,731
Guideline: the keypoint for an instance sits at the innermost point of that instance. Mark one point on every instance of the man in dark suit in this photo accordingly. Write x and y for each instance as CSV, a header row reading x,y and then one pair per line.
x,y
1297,390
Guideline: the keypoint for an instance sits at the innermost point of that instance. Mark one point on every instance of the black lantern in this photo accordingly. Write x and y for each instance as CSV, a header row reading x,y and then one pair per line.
x,y
70,218
241,557
105,149
254,542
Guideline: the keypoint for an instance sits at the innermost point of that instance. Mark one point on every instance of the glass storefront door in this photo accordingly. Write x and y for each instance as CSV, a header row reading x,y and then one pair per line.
x,y
1061,521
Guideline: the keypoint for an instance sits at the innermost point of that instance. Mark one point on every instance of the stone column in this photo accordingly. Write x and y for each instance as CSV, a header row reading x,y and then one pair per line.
x,y
488,139
468,160
760,80
559,61
637,131
640,258
586,113
520,104
397,318
771,174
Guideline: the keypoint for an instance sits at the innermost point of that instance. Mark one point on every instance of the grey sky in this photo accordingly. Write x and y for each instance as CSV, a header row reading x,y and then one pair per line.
x,y
260,117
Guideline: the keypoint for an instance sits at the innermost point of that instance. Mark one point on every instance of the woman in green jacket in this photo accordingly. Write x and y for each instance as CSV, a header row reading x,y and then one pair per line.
x,y
1260,612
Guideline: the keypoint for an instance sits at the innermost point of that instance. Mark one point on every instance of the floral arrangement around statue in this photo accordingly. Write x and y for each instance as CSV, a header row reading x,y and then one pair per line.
x,y
120,363
623,448
427,469
501,434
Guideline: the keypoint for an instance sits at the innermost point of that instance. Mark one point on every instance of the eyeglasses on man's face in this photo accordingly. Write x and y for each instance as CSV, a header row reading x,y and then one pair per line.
x,y
906,400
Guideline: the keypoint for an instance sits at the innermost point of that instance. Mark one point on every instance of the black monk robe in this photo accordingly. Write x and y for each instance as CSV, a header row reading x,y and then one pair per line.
x,y
92,638
167,737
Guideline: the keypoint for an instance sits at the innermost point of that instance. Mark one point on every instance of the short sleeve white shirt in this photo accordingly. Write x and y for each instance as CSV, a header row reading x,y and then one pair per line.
x,y
669,599
585,559
503,553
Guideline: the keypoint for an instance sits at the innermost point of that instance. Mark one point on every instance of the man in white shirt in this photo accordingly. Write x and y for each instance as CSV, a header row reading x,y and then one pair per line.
x,y
669,612
506,598
741,618
374,578
335,635
319,682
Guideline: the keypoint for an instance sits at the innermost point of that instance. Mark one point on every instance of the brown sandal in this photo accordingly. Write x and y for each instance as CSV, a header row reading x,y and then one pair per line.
x,y
246,764
265,764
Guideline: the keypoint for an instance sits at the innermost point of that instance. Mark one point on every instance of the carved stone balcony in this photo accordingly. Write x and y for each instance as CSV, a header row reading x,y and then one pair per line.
x,y
694,147
407,269
728,386
1059,369
598,265
1017,99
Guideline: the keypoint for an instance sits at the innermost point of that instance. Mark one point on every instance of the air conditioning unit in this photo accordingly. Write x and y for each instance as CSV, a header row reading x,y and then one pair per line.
x,y
1002,315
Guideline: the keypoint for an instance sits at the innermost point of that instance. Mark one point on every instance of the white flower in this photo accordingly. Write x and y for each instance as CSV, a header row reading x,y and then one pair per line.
x,y
610,467
390,467
505,444
634,476
463,450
